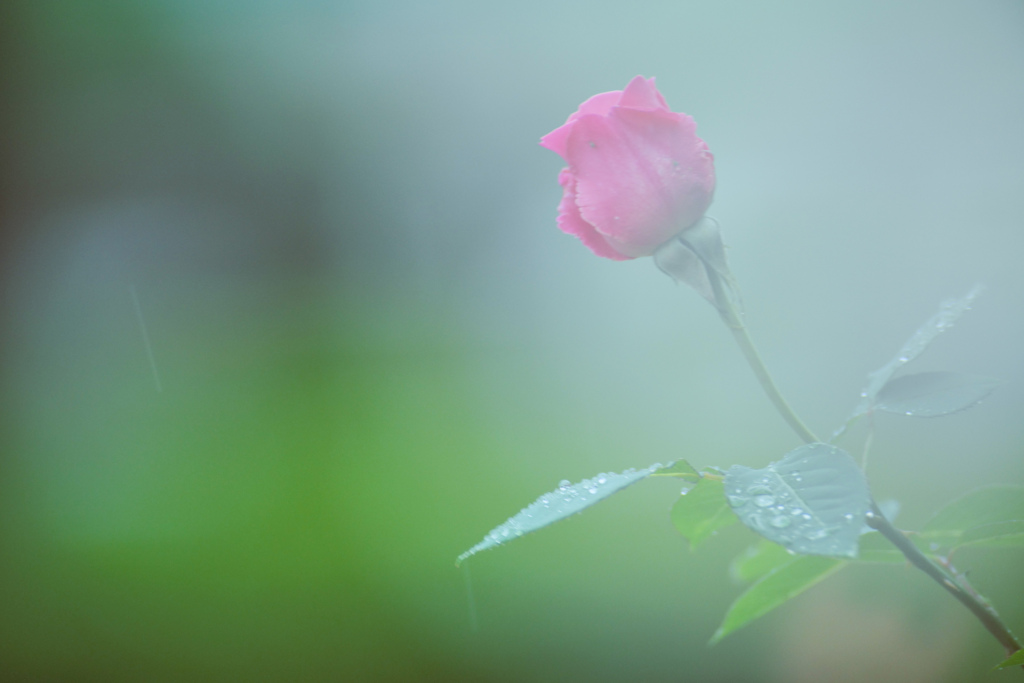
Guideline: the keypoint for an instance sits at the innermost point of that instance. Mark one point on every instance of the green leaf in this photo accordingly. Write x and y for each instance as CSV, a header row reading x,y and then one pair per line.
x,y
949,312
1016,659
758,560
933,394
565,501
812,502
1002,534
764,556
680,469
776,587
702,511
980,508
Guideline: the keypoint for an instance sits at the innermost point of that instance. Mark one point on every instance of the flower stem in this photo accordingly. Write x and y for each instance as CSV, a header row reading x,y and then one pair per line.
x,y
968,598
732,320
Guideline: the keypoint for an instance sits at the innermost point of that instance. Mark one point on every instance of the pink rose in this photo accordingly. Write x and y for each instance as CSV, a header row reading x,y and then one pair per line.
x,y
638,175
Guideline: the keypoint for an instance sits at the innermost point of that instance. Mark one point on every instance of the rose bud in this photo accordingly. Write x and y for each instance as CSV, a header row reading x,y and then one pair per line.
x,y
638,175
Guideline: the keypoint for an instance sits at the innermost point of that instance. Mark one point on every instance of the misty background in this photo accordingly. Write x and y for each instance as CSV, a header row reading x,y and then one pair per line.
x,y
288,324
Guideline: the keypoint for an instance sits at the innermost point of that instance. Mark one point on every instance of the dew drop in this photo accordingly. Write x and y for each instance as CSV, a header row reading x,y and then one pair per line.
x,y
781,522
764,501
796,512
737,501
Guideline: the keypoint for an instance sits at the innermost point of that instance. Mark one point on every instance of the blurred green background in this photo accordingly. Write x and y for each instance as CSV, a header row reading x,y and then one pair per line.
x,y
372,344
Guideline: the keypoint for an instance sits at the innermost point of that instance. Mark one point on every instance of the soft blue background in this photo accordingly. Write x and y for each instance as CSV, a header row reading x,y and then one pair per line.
x,y
374,344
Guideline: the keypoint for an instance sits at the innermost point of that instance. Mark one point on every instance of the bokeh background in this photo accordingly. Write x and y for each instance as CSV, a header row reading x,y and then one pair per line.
x,y
287,325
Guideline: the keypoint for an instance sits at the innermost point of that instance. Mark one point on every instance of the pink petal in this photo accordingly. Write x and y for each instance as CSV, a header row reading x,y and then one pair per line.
x,y
641,94
600,104
642,176
570,221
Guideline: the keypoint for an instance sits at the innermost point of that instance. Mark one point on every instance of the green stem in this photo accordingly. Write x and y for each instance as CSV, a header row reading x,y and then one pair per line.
x,y
984,612
739,331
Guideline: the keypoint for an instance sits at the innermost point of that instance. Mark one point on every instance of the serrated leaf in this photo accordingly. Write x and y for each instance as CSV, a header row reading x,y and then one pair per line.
x,y
702,511
979,508
565,501
758,560
679,469
949,312
812,502
774,588
933,394
1016,659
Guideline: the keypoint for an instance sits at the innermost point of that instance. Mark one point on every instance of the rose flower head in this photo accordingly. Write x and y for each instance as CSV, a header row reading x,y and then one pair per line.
x,y
638,175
